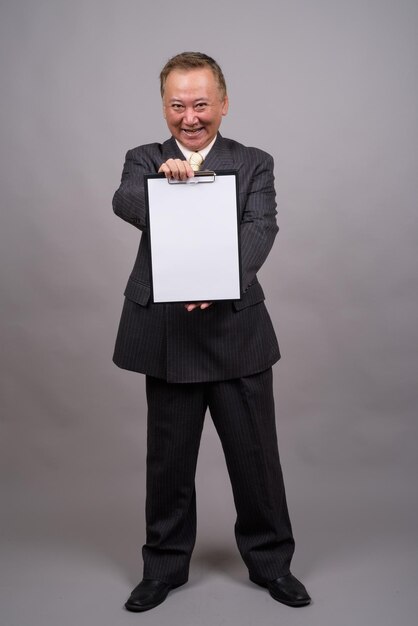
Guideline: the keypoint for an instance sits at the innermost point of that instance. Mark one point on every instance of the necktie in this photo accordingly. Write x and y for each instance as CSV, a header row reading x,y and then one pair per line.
x,y
195,161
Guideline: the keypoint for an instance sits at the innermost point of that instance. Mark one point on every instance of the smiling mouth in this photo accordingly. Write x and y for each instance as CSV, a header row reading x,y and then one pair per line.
x,y
192,131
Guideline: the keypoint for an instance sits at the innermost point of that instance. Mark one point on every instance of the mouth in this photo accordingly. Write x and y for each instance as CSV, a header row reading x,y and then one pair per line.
x,y
192,132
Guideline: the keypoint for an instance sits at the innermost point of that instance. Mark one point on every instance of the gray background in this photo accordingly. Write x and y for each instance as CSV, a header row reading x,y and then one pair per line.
x,y
329,87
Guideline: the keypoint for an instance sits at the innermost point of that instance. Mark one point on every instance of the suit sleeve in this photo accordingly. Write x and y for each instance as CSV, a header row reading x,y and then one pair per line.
x,y
258,226
129,200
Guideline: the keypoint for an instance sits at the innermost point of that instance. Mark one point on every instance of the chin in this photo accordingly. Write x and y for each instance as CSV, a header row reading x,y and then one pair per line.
x,y
194,144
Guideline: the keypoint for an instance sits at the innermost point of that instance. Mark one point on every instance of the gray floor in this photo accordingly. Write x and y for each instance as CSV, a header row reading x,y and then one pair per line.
x,y
71,551
55,586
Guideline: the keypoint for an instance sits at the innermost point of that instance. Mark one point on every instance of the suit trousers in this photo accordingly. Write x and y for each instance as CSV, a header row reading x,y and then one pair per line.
x,y
242,410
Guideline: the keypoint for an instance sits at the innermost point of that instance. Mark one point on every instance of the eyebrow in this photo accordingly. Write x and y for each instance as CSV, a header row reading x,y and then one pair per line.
x,y
172,100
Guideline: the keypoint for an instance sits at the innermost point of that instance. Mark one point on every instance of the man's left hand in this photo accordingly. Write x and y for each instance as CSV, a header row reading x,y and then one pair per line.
x,y
197,305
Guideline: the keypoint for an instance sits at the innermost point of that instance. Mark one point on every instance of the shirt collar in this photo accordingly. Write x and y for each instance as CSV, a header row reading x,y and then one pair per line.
x,y
204,151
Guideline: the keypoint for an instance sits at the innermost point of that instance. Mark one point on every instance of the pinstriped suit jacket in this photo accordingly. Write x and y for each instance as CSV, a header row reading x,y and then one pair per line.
x,y
230,339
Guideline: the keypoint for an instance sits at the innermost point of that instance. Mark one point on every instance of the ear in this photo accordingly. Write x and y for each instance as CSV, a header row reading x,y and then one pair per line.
x,y
225,106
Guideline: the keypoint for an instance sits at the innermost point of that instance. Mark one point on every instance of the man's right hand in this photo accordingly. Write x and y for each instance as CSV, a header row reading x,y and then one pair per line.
x,y
177,169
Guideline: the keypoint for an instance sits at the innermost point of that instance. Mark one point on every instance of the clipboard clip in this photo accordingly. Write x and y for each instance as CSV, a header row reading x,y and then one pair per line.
x,y
205,176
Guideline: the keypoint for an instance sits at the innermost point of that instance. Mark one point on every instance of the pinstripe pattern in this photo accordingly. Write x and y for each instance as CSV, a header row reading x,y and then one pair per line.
x,y
220,359
243,413
230,339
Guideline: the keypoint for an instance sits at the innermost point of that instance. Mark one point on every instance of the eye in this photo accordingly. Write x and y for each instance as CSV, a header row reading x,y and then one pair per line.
x,y
200,106
176,106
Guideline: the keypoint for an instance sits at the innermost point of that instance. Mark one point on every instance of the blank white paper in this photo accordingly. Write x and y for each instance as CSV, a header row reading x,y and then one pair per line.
x,y
194,240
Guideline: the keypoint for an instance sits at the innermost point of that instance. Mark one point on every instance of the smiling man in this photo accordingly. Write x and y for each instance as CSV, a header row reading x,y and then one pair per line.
x,y
202,355
194,104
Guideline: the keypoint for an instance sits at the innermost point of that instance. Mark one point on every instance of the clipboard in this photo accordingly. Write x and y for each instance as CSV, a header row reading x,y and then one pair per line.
x,y
194,237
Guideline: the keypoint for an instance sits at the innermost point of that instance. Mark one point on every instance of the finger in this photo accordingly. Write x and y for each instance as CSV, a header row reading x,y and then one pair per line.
x,y
165,169
185,171
173,165
190,172
195,305
169,168
177,169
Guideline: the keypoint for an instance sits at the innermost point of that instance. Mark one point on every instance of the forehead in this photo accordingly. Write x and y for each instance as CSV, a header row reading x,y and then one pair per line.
x,y
199,82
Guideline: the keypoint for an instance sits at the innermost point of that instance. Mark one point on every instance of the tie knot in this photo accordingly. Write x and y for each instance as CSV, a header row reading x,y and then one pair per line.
x,y
195,161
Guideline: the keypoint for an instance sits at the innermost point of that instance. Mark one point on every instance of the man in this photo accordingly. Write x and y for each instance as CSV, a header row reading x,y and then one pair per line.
x,y
201,355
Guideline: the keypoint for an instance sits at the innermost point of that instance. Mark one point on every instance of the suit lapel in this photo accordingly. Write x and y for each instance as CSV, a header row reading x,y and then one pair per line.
x,y
171,150
220,157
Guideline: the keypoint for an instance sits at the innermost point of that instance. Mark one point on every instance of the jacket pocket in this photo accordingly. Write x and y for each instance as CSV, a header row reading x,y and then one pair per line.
x,y
253,295
137,292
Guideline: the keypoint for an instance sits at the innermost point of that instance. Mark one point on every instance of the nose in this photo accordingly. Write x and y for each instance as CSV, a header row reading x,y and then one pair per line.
x,y
190,116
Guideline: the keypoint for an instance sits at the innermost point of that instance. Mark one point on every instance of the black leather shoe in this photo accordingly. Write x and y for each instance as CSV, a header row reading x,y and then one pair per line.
x,y
287,590
148,594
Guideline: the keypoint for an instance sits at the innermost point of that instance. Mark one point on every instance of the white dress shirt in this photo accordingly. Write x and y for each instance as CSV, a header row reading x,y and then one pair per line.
x,y
204,151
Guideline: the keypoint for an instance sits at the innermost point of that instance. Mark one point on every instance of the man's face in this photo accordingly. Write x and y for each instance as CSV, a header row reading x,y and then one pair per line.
x,y
193,106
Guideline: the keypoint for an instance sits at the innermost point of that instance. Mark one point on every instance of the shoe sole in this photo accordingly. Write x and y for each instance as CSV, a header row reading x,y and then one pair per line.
x,y
140,609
